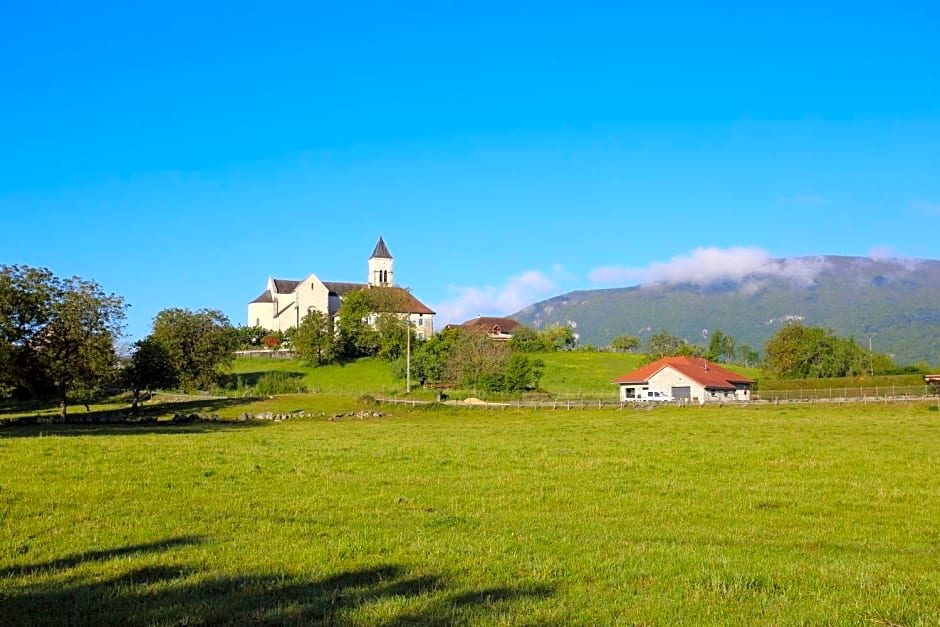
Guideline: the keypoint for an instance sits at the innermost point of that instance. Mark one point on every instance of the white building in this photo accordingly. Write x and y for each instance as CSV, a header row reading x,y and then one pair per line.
x,y
284,302
685,379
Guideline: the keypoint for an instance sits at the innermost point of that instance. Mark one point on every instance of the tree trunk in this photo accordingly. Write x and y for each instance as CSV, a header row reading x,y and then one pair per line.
x,y
134,402
63,410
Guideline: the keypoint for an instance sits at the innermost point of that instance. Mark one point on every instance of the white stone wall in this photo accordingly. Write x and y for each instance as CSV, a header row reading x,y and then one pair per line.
x,y
667,378
379,266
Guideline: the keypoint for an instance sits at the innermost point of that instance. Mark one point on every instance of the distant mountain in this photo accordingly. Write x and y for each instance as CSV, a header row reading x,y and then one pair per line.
x,y
898,300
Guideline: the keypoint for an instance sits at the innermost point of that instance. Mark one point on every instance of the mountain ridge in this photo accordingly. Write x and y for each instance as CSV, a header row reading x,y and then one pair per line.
x,y
895,302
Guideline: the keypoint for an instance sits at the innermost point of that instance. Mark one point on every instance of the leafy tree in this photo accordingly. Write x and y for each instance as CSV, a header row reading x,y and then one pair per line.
x,y
664,344
429,359
77,345
747,355
199,343
799,352
357,336
391,329
522,373
475,357
27,296
56,335
560,337
720,347
251,337
148,368
625,343
314,340
527,340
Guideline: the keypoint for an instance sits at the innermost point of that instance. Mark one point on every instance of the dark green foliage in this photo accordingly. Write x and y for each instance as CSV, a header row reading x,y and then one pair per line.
x,y
356,337
279,383
527,340
475,357
747,356
624,343
314,340
199,343
522,373
664,344
250,337
148,368
799,352
560,337
429,358
721,347
56,335
393,341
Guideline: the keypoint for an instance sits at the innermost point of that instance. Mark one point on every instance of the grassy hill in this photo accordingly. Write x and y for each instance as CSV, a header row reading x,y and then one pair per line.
x,y
898,302
577,373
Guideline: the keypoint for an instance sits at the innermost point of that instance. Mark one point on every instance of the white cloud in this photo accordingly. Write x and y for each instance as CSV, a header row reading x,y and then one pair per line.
x,y
515,294
888,254
707,266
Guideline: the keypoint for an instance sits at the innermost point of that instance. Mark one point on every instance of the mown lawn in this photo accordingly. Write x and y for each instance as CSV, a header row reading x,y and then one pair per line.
x,y
759,516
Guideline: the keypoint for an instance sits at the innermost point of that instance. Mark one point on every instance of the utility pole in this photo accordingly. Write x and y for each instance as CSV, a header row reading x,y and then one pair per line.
x,y
408,355
871,358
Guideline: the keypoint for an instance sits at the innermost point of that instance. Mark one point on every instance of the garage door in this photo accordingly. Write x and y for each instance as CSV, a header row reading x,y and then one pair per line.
x,y
683,393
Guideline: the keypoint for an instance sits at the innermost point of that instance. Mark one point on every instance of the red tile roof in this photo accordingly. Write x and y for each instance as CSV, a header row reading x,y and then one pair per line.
x,y
703,372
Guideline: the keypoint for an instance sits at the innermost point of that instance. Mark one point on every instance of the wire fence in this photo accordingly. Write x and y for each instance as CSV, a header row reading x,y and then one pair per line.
x,y
862,393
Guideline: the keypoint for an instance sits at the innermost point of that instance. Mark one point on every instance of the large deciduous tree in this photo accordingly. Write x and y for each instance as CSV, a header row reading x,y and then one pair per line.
x,y
799,352
664,344
314,340
721,347
625,343
560,337
148,368
77,346
199,344
56,335
527,340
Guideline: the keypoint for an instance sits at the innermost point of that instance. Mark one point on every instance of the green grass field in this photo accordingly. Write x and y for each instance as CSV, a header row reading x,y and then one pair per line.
x,y
772,515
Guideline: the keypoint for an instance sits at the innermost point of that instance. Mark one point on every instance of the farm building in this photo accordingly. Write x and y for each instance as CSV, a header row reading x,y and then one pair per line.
x,y
284,303
499,329
685,379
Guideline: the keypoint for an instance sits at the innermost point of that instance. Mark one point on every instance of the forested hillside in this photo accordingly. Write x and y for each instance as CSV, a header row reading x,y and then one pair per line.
x,y
896,300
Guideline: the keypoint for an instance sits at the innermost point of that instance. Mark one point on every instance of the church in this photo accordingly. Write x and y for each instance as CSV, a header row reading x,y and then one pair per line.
x,y
284,302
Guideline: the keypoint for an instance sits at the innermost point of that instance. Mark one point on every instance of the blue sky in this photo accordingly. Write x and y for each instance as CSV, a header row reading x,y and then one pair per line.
x,y
181,153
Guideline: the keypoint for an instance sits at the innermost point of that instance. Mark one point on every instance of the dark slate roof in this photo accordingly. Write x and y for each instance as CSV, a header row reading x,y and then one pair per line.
x,y
339,288
381,250
285,286
265,297
704,373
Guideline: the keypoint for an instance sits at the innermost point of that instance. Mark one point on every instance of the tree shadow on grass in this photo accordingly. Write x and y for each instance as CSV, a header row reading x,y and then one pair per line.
x,y
117,420
93,589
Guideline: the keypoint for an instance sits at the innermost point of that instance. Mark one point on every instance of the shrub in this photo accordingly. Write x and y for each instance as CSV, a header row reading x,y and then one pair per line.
x,y
279,383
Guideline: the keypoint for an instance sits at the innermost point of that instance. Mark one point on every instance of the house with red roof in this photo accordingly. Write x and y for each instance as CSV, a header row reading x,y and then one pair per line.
x,y
497,328
685,379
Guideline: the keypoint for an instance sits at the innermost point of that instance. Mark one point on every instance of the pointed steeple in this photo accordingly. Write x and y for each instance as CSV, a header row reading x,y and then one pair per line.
x,y
380,265
381,250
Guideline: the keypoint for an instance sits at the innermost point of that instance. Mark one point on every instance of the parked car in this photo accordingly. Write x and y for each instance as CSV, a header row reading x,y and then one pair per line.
x,y
653,396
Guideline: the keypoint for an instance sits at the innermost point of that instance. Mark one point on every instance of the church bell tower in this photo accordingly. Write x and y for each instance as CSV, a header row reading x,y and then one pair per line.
x,y
380,266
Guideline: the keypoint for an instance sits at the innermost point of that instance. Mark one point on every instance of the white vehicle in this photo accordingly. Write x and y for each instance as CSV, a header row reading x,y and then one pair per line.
x,y
652,396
